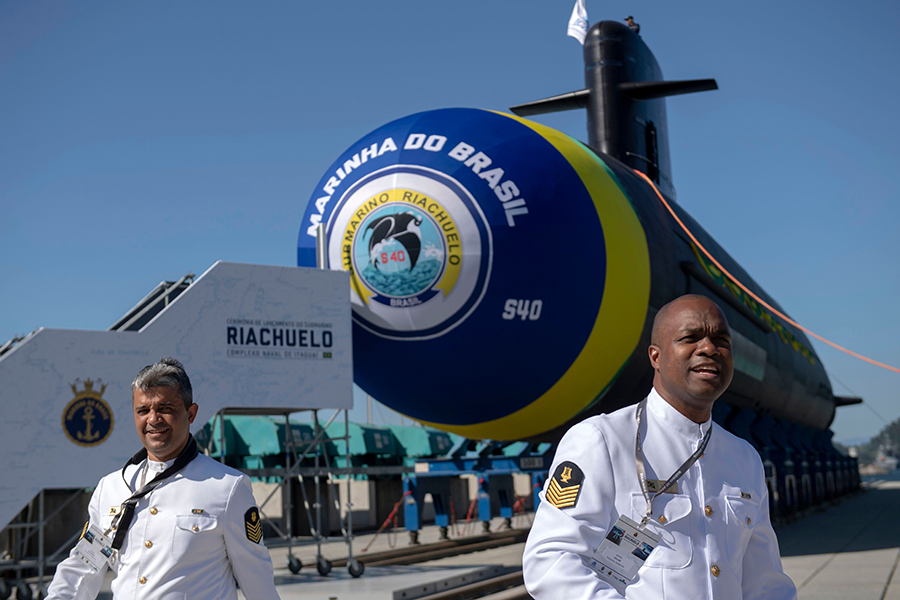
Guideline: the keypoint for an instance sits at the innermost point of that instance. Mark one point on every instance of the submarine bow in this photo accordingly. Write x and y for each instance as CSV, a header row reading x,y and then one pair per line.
x,y
516,275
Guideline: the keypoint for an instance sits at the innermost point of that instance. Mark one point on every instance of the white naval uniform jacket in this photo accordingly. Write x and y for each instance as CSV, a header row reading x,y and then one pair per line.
x,y
716,540
186,541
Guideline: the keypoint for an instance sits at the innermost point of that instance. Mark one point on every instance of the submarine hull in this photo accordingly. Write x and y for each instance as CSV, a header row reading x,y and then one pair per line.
x,y
504,278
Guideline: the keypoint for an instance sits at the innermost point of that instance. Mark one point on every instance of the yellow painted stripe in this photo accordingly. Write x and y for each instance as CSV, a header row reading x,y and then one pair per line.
x,y
619,321
562,498
564,487
571,497
564,490
560,504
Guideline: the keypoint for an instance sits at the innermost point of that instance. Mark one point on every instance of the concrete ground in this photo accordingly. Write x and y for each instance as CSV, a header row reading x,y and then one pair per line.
x,y
849,551
396,582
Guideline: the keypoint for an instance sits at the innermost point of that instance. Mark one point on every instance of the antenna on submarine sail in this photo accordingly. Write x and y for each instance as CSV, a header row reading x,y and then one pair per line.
x,y
624,100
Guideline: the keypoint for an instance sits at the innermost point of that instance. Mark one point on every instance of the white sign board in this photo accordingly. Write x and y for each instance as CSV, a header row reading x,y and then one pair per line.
x,y
248,335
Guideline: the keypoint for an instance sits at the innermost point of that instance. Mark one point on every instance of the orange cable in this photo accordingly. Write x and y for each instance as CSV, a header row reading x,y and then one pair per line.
x,y
751,294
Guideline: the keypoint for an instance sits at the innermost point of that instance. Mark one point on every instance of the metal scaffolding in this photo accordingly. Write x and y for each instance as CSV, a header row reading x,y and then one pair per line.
x,y
292,470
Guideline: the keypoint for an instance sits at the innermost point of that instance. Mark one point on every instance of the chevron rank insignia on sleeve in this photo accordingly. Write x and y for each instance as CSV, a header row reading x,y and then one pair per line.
x,y
565,485
253,525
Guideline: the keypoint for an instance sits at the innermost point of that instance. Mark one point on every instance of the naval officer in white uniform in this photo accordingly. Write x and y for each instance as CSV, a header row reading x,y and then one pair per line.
x,y
715,537
183,526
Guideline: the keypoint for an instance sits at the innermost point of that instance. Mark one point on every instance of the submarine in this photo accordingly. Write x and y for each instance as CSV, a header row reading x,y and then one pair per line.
x,y
505,276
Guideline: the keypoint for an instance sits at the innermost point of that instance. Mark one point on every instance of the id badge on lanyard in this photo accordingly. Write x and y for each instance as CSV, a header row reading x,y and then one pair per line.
x,y
95,549
622,553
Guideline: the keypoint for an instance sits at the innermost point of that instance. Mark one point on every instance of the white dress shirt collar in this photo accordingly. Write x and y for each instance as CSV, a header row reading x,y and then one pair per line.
x,y
156,467
674,420
147,470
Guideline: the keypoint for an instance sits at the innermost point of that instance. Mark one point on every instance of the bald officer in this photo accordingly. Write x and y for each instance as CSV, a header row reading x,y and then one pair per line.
x,y
179,524
708,533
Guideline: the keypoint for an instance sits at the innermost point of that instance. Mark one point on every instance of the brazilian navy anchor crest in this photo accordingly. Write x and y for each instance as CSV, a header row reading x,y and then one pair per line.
x,y
87,419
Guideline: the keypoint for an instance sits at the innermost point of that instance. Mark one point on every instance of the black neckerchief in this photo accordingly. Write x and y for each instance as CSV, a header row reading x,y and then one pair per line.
x,y
126,514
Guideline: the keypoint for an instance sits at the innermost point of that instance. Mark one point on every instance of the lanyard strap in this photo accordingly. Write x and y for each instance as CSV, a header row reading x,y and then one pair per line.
x,y
123,520
639,463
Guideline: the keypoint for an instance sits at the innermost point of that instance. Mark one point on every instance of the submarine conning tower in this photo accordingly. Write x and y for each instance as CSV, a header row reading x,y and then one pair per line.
x,y
624,97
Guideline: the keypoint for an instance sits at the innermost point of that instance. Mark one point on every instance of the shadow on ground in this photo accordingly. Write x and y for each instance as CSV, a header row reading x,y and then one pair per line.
x,y
868,521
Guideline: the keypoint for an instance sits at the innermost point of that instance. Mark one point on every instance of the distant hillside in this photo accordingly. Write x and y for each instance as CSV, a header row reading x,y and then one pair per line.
x,y
868,452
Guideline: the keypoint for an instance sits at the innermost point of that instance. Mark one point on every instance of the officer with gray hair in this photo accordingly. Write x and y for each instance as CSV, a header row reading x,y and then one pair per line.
x,y
172,522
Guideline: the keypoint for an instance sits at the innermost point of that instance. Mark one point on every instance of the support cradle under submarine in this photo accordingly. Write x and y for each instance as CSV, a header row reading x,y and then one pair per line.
x,y
505,276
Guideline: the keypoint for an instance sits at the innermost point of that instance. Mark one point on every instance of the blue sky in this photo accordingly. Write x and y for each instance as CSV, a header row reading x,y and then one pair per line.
x,y
142,140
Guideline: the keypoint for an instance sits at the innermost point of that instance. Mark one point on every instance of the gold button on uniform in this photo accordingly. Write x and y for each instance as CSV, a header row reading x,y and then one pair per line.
x,y
662,520
715,571
148,543
748,520
195,529
153,510
708,510
142,580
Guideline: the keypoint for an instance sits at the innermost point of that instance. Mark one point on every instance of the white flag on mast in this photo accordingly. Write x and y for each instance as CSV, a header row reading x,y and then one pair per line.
x,y
578,22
